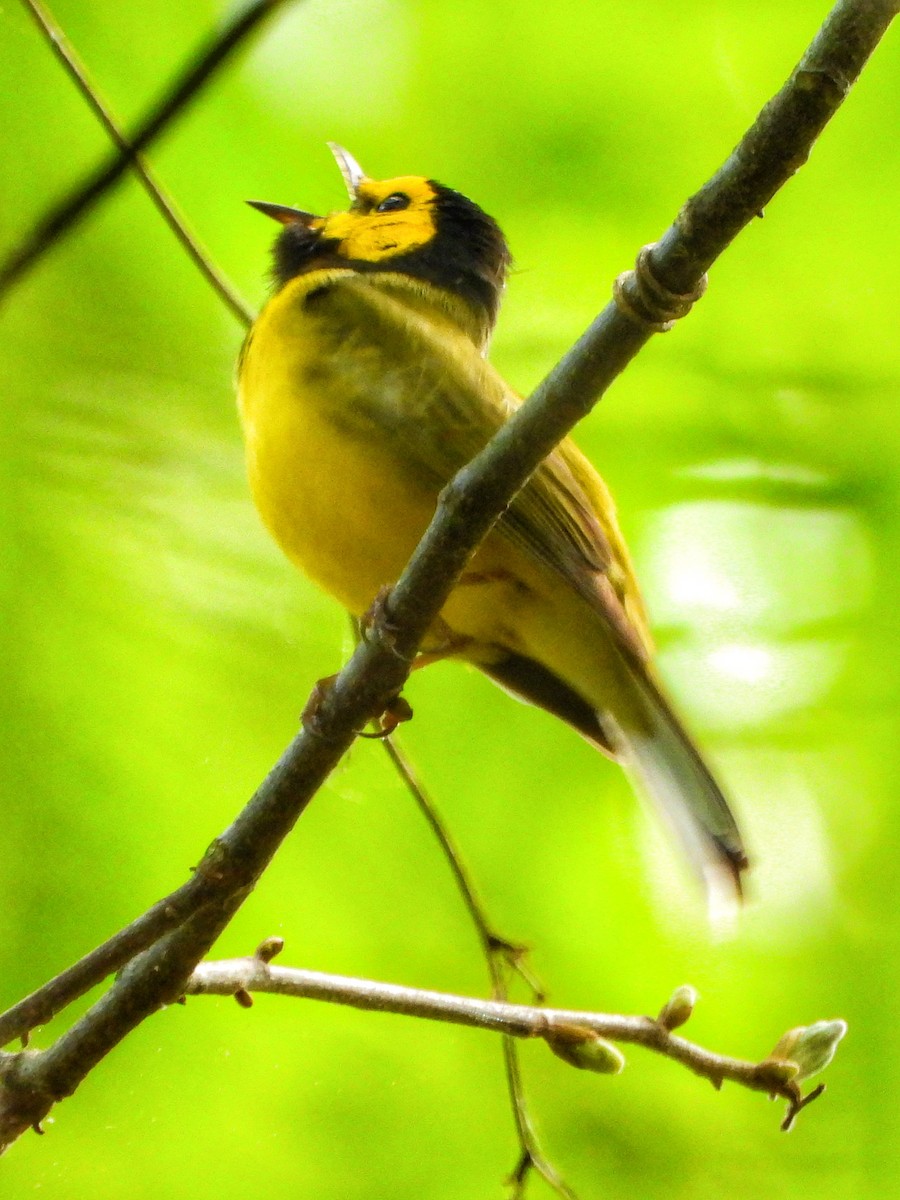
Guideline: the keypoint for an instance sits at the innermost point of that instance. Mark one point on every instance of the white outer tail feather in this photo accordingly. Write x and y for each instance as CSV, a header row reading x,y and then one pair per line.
x,y
667,768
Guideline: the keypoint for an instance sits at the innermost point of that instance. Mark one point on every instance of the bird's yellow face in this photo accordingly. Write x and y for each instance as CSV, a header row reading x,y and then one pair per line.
x,y
407,225
389,217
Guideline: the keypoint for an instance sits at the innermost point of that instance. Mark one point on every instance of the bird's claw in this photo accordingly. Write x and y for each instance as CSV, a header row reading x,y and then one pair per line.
x,y
397,711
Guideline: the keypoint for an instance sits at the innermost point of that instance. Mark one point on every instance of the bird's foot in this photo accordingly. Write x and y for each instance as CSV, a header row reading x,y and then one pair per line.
x,y
311,718
397,711
378,618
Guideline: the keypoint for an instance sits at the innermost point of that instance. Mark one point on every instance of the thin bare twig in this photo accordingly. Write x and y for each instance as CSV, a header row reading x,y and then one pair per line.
x,y
463,880
64,51
531,1157
51,227
499,954
554,1025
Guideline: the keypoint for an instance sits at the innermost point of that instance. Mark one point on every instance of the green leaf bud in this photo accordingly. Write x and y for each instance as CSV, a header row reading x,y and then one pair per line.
x,y
590,1053
679,1007
814,1048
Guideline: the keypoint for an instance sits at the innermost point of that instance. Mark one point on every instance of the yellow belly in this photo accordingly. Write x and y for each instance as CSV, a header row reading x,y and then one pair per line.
x,y
337,507
340,507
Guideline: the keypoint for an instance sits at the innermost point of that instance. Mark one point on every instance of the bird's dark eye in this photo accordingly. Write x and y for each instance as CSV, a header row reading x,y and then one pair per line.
x,y
393,203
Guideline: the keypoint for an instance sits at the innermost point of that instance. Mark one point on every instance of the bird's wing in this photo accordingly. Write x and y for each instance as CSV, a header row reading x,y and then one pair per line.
x,y
439,402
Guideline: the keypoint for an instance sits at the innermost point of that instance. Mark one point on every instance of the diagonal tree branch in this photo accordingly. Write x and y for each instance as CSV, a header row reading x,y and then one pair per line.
x,y
206,886
31,1082
661,288
56,222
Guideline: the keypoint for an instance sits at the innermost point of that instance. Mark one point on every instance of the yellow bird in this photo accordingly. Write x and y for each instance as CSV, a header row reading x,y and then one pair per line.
x,y
363,389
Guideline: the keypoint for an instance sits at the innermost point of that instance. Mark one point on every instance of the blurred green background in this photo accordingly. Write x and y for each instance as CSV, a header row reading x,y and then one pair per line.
x,y
159,650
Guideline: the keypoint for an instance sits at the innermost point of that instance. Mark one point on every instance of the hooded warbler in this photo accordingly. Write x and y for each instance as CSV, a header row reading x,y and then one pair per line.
x,y
363,389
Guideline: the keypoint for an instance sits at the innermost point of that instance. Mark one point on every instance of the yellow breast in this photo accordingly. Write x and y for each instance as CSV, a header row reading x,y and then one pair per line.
x,y
342,506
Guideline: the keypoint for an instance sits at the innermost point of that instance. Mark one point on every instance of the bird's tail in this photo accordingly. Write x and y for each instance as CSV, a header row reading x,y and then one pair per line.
x,y
656,750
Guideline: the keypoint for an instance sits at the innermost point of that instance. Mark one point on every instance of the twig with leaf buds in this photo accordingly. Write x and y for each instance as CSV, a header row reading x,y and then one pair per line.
x,y
582,1039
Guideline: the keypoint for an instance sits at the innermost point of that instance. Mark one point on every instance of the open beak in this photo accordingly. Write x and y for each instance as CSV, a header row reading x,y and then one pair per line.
x,y
281,212
353,176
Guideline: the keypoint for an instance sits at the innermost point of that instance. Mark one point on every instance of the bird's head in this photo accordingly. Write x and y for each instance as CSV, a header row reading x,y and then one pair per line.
x,y
410,225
